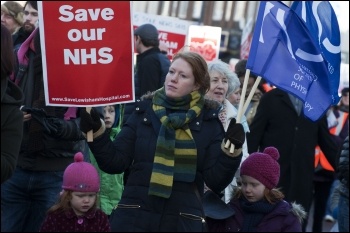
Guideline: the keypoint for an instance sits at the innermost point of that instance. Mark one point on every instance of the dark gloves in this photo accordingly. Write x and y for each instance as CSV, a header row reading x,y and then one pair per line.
x,y
235,133
51,125
89,121
56,127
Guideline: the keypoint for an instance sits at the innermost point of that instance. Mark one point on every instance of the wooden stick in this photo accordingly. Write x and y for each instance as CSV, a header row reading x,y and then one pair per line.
x,y
252,91
244,90
89,135
240,107
227,144
232,149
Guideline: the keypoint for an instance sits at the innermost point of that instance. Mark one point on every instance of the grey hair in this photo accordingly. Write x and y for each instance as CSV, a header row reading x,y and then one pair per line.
x,y
224,69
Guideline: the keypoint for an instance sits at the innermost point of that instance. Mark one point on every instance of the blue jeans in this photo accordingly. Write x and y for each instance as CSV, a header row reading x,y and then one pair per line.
x,y
26,197
330,210
343,216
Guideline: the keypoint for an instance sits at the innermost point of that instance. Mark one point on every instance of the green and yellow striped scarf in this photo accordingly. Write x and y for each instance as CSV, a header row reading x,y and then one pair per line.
x,y
176,153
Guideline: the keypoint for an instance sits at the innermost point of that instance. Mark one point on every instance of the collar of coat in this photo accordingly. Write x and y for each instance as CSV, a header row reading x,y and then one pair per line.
x,y
144,106
209,103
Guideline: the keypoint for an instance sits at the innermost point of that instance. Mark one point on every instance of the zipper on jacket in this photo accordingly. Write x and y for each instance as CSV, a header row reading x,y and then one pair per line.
x,y
192,217
125,206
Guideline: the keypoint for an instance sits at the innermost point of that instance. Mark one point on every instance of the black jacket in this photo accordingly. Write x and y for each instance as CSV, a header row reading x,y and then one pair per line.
x,y
150,71
32,151
135,147
11,127
19,37
343,169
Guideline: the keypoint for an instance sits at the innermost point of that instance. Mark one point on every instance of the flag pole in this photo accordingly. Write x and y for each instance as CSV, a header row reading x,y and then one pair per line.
x,y
252,91
89,134
240,107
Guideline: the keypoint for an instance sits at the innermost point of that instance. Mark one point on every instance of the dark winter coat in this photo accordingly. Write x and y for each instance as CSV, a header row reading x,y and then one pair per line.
x,y
19,37
277,124
285,217
135,146
32,153
92,221
11,127
343,169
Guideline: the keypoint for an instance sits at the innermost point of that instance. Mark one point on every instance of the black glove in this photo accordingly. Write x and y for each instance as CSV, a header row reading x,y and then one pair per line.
x,y
89,121
235,133
51,125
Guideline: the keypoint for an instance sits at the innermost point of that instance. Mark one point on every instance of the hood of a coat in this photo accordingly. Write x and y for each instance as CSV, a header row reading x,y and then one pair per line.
x,y
298,210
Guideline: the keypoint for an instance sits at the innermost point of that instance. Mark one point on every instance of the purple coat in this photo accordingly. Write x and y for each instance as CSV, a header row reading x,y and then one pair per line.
x,y
285,217
92,221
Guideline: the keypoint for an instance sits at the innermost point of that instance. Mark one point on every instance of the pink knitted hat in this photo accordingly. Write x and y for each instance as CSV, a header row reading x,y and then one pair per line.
x,y
81,176
263,167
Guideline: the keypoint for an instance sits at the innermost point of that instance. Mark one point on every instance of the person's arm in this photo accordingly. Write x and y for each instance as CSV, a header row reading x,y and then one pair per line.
x,y
112,157
11,138
56,127
327,142
343,168
220,163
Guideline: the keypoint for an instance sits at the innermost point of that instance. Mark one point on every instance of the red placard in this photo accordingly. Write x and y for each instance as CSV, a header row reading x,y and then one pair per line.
x,y
87,52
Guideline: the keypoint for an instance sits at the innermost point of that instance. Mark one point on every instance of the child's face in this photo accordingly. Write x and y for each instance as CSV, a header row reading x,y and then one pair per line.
x,y
82,202
252,189
109,116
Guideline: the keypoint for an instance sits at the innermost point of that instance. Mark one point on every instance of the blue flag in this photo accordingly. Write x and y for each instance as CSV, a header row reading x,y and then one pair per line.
x,y
290,56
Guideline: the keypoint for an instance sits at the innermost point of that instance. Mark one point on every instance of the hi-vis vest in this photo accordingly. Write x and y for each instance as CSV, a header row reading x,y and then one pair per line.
x,y
320,157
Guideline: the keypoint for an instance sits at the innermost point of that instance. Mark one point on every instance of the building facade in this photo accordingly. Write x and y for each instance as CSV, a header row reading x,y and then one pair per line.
x,y
231,16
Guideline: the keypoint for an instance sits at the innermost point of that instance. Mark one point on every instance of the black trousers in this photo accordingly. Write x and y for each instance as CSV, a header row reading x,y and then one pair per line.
x,y
321,193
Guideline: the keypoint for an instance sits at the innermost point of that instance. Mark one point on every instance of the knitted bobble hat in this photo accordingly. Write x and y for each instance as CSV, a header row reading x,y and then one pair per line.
x,y
263,167
81,176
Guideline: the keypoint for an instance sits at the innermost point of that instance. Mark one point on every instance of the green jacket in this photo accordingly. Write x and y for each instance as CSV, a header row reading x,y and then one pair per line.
x,y
111,186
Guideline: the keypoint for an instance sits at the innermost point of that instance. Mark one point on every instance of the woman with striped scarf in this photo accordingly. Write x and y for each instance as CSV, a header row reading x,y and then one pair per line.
x,y
172,144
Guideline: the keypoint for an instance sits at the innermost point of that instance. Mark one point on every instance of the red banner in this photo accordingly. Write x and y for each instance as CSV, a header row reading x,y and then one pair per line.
x,y
87,52
205,40
173,41
172,31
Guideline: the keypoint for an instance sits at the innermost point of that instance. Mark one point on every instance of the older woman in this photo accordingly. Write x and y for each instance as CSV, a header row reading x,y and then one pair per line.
x,y
173,143
222,82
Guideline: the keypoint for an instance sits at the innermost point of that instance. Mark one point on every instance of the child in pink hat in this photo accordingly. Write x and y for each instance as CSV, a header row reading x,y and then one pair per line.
x,y
258,205
76,210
